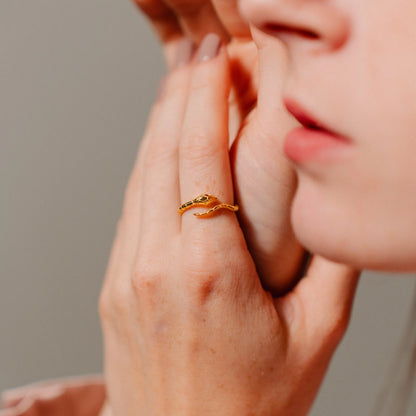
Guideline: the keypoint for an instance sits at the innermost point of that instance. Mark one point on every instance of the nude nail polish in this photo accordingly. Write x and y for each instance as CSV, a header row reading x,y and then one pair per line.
x,y
184,52
209,47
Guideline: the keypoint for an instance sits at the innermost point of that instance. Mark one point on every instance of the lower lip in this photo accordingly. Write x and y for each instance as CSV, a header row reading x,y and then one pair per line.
x,y
303,144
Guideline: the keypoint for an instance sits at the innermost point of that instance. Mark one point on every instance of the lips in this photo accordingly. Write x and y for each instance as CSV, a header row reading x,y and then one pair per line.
x,y
307,120
314,141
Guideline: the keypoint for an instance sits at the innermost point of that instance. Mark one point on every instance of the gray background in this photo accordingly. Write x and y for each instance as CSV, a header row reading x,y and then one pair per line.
x,y
76,82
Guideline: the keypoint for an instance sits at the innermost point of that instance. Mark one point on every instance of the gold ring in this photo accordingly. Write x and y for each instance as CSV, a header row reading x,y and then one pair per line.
x,y
206,200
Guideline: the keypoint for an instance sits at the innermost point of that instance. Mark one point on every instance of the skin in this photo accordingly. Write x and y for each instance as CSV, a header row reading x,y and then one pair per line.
x,y
264,181
361,209
357,76
188,328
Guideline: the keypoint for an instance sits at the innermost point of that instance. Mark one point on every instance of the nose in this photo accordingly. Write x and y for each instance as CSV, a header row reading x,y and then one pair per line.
x,y
318,22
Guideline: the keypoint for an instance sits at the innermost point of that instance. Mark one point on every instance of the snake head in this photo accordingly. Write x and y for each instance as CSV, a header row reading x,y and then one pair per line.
x,y
204,199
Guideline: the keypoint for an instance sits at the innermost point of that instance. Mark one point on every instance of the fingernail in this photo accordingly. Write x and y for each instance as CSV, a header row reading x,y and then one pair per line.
x,y
209,47
184,53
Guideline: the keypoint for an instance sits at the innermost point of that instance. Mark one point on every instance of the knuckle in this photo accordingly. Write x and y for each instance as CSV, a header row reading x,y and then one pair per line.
x,y
146,280
204,276
120,300
113,303
204,286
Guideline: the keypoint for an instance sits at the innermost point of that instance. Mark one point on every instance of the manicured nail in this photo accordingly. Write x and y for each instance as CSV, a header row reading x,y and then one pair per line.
x,y
184,53
209,47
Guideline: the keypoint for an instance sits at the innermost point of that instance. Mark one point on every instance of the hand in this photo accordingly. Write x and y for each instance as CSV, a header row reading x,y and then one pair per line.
x,y
264,181
174,19
188,328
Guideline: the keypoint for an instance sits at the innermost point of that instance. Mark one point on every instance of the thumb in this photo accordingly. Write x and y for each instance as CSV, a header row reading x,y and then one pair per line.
x,y
319,308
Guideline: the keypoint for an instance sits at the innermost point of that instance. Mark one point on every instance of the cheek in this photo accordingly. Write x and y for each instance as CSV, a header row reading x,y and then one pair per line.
x,y
318,219
364,212
365,227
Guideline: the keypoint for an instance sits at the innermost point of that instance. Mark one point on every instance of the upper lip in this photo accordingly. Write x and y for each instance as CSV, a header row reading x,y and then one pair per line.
x,y
306,119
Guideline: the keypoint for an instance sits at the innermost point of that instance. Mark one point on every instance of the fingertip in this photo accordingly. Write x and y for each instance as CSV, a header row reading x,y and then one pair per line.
x,y
184,53
209,48
210,67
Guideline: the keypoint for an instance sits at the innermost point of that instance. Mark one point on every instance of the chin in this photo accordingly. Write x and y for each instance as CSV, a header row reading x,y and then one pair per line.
x,y
339,236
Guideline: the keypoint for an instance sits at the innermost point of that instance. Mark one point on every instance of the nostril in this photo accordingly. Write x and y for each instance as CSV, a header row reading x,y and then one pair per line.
x,y
276,29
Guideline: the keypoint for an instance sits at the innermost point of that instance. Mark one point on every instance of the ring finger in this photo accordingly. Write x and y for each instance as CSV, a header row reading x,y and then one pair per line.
x,y
161,183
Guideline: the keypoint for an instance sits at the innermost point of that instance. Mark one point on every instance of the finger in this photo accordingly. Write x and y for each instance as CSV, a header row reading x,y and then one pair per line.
x,y
197,18
272,242
128,226
203,153
231,18
161,17
330,289
173,19
165,23
133,193
284,254
160,194
320,307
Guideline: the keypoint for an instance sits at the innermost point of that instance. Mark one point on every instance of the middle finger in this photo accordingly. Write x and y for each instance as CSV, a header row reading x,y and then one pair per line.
x,y
197,18
204,164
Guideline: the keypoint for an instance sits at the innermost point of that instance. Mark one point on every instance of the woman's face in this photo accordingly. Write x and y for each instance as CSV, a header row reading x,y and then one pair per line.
x,y
355,71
